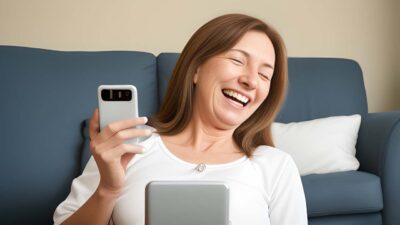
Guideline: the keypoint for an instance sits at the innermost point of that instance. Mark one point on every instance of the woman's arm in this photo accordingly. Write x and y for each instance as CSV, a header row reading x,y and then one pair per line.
x,y
97,210
94,194
288,204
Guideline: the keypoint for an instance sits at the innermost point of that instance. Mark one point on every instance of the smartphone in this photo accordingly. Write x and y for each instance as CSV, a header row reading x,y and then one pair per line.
x,y
117,102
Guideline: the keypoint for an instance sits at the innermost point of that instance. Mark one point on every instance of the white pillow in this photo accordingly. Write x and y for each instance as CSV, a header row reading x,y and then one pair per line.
x,y
320,146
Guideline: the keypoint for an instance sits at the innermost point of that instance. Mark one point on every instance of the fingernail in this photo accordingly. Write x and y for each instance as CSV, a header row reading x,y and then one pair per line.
x,y
145,119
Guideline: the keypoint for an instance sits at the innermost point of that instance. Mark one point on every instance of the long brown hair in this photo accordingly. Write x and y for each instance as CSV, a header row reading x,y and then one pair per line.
x,y
213,38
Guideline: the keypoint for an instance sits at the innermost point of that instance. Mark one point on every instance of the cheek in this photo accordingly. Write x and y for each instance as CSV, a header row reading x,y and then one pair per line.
x,y
263,93
232,71
225,71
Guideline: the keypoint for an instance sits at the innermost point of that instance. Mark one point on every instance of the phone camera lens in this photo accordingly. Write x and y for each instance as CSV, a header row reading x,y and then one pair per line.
x,y
127,95
105,95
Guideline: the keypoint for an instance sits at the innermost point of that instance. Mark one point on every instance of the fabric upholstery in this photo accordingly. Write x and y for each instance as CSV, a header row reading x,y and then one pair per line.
x,y
45,95
356,219
323,87
341,193
165,65
379,153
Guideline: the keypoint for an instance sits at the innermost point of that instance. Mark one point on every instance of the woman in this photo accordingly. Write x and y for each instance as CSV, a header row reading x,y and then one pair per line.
x,y
232,77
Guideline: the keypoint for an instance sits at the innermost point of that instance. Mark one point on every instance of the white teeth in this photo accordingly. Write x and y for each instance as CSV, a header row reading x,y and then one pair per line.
x,y
236,95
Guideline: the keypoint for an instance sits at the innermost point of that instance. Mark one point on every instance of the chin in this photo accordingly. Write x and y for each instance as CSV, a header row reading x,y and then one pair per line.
x,y
227,121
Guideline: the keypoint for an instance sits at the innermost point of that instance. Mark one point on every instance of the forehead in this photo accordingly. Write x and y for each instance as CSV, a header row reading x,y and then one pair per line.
x,y
258,45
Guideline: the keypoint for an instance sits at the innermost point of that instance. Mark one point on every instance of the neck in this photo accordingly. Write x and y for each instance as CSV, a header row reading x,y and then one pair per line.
x,y
201,136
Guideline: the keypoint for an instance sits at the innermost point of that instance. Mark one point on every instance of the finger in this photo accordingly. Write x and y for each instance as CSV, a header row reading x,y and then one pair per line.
x,y
94,124
123,149
122,136
112,128
114,155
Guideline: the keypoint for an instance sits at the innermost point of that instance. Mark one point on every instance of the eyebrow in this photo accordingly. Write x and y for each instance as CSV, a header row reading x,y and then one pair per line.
x,y
248,56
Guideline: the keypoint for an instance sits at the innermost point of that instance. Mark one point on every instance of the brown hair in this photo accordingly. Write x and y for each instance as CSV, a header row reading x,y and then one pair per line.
x,y
213,38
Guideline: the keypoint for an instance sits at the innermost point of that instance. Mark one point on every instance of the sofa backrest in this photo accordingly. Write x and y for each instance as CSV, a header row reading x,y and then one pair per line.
x,y
45,96
323,87
318,87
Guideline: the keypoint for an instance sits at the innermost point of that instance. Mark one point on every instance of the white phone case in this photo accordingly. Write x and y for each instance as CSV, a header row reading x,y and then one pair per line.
x,y
112,111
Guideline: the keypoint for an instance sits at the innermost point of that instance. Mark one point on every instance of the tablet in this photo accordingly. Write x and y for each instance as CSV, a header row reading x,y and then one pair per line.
x,y
187,203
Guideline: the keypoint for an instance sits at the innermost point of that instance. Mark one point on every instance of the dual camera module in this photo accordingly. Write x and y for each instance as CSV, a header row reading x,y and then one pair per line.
x,y
116,94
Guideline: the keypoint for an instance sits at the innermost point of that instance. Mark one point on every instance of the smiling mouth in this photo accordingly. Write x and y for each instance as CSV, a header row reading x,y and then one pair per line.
x,y
234,96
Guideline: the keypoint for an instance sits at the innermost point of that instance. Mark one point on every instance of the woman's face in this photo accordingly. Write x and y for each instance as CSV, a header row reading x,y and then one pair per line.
x,y
232,85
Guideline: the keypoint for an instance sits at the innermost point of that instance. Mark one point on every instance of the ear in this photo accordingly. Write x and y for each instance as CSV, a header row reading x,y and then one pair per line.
x,y
196,76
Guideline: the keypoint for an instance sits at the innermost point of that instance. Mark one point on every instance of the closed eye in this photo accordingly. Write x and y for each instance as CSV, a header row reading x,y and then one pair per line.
x,y
236,60
265,76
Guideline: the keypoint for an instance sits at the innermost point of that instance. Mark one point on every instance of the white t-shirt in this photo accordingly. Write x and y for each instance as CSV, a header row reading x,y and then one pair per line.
x,y
264,190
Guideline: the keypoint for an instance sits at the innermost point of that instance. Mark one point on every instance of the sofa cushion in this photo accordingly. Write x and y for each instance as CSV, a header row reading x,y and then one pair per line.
x,y
350,192
353,219
323,87
165,65
45,96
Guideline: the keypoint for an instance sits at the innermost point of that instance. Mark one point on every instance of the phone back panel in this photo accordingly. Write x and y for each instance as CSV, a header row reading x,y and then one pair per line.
x,y
187,202
112,111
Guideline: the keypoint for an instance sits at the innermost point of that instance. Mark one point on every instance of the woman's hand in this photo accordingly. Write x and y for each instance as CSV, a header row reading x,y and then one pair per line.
x,y
110,152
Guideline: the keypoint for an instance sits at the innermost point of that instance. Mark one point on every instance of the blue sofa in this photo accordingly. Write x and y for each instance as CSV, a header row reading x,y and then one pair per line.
x,y
47,97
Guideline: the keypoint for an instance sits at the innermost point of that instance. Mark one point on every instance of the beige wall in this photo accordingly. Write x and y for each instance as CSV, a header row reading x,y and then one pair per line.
x,y
365,30
396,103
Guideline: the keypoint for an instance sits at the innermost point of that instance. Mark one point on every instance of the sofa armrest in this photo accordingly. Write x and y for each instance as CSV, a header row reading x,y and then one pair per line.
x,y
378,150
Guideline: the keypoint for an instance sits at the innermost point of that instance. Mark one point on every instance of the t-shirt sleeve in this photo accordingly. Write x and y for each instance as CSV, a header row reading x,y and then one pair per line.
x,y
288,205
82,188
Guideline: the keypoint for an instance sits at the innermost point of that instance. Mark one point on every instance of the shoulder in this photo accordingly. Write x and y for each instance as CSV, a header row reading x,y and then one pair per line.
x,y
274,162
270,155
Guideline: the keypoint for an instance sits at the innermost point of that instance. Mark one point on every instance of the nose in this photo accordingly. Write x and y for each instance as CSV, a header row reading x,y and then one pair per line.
x,y
249,79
